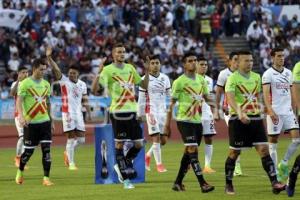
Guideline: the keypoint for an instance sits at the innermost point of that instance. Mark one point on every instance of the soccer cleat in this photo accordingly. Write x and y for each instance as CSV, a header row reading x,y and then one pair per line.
x,y
104,172
205,188
178,187
128,184
19,177
47,182
290,191
147,162
229,189
66,159
283,172
208,170
73,167
120,177
161,168
277,187
238,170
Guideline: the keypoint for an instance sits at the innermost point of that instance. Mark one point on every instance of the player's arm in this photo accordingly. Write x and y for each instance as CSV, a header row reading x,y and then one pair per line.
x,y
145,81
52,63
266,96
296,94
19,105
167,127
219,92
85,103
95,84
14,89
49,113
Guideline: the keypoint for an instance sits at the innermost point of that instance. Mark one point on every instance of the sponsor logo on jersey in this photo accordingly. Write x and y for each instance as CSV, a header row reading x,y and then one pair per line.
x,y
282,85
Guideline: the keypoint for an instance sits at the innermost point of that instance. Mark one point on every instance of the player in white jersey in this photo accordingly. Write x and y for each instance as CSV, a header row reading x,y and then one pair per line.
x,y
22,74
208,122
221,82
74,96
277,82
152,104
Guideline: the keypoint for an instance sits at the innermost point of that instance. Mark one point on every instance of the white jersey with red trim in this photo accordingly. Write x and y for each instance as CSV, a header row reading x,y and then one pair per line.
x,y
221,82
15,97
206,111
280,89
72,94
153,100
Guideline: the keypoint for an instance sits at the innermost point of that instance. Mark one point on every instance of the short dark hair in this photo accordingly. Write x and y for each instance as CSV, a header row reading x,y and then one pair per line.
x,y
74,67
232,54
22,68
154,57
119,44
188,54
276,49
243,53
202,58
37,62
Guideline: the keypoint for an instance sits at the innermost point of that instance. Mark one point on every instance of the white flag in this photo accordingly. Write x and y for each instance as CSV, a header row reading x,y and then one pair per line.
x,y
11,18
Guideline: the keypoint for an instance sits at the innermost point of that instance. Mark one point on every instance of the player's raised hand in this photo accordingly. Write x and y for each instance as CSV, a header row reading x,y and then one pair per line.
x,y
48,51
147,63
101,65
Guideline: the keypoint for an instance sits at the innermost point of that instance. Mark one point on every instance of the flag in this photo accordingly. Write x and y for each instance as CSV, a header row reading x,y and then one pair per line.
x,y
11,18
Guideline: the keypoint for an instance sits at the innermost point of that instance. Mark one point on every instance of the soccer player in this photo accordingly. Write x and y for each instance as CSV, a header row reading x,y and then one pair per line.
x,y
152,102
296,167
208,122
33,104
119,79
74,96
277,83
189,90
220,90
22,74
246,128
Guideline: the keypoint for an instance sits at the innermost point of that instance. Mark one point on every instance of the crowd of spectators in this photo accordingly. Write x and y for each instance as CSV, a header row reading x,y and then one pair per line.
x,y
81,32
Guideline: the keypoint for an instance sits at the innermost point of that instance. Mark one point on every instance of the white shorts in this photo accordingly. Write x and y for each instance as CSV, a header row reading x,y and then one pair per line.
x,y
73,122
285,123
208,127
156,123
19,128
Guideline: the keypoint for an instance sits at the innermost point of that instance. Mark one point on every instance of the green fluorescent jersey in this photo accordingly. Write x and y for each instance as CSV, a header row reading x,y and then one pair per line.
x,y
35,94
120,83
246,92
189,94
296,77
296,73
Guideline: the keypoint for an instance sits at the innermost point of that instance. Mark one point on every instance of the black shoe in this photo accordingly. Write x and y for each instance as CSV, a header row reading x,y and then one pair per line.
x,y
205,188
178,187
229,189
277,187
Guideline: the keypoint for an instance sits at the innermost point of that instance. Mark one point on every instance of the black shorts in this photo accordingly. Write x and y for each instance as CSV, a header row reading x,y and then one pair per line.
x,y
126,126
37,133
191,133
246,135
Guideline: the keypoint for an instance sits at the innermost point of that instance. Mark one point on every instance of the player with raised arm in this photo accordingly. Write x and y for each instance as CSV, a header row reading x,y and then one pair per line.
x,y
246,128
220,91
208,122
33,104
277,83
119,80
22,74
74,97
189,90
152,103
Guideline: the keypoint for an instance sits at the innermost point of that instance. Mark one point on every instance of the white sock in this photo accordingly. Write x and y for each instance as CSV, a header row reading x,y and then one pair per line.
x,y
149,152
273,152
291,150
70,150
208,154
157,153
20,147
78,141
238,160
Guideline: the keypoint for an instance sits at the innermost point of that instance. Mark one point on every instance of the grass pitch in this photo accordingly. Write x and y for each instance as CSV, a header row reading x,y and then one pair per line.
x,y
72,185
